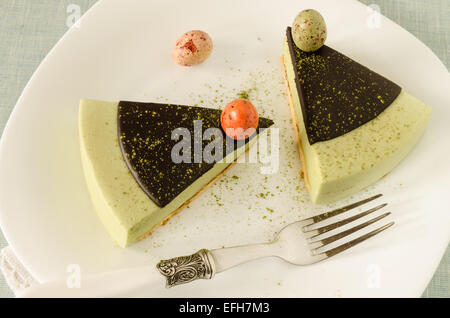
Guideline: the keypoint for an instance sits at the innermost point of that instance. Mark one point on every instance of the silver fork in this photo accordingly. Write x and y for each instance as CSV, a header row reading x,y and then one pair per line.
x,y
296,243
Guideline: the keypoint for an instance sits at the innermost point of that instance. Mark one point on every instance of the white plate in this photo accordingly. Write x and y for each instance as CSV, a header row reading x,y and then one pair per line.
x,y
122,51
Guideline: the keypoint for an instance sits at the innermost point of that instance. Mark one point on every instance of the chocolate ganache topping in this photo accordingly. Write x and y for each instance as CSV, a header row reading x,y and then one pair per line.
x,y
336,93
145,133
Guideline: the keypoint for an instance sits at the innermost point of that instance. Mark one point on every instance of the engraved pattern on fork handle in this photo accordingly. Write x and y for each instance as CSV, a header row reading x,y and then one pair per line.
x,y
185,269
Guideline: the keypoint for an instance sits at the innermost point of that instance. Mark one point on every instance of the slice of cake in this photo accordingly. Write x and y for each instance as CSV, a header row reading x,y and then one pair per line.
x,y
128,150
354,125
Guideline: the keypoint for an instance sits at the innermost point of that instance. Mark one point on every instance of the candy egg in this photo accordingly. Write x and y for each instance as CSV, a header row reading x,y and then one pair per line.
x,y
239,119
309,30
192,48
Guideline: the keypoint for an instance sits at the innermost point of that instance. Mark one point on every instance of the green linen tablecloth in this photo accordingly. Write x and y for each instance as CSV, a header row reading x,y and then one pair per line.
x,y
29,29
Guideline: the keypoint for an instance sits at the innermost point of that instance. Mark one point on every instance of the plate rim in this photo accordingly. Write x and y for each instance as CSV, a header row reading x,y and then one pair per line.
x,y
12,120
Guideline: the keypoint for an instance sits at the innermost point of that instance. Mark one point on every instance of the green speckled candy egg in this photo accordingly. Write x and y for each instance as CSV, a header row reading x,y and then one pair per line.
x,y
309,30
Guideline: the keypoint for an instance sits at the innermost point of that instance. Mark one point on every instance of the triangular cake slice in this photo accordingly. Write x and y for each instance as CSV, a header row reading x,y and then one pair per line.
x,y
126,151
354,125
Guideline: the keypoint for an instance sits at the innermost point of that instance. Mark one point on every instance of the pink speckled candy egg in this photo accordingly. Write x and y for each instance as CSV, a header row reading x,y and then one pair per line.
x,y
192,48
309,30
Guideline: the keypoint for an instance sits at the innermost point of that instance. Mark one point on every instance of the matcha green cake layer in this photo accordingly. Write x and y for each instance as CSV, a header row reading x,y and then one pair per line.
x,y
341,165
124,208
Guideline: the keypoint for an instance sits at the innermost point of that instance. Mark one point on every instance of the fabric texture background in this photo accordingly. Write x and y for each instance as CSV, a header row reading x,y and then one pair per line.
x,y
29,29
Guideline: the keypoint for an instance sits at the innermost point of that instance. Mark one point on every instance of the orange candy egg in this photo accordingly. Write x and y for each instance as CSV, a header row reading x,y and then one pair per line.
x,y
239,119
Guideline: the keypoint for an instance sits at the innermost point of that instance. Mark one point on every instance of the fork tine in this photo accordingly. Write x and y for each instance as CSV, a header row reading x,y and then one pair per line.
x,y
330,214
358,227
327,228
356,241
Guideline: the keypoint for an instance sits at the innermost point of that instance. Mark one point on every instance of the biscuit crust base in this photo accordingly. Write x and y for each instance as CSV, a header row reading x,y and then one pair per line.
x,y
303,170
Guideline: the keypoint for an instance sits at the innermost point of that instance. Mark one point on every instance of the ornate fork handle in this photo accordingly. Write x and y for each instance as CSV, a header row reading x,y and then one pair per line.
x,y
205,263
185,269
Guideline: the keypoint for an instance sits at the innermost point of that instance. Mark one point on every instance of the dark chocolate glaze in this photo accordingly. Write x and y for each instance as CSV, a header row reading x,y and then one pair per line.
x,y
145,137
336,93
